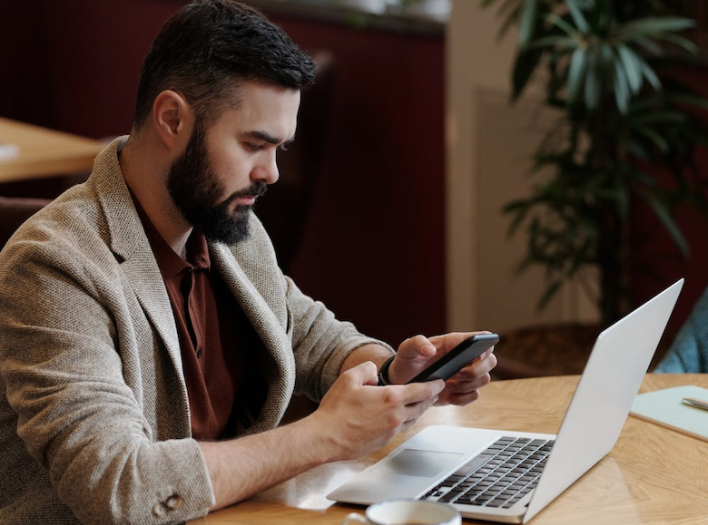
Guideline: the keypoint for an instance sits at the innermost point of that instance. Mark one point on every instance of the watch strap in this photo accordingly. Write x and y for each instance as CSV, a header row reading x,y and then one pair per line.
x,y
383,371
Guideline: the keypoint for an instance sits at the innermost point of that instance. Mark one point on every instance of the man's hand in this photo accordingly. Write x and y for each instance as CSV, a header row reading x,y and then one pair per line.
x,y
357,417
354,418
418,352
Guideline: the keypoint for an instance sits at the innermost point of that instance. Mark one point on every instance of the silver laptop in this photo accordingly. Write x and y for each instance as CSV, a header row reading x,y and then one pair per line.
x,y
510,476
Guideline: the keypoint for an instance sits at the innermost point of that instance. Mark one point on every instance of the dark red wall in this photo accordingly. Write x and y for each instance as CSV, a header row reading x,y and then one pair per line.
x,y
657,260
379,210
374,247
23,71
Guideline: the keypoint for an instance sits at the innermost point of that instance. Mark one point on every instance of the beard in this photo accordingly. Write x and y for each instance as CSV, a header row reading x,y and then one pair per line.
x,y
196,191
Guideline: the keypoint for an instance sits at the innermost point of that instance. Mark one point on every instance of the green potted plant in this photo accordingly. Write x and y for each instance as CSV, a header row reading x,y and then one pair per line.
x,y
607,68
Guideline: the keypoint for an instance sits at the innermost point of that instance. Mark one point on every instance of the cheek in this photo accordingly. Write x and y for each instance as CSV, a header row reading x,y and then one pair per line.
x,y
232,168
224,157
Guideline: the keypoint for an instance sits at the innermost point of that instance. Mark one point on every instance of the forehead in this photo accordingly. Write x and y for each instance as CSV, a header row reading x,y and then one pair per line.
x,y
260,107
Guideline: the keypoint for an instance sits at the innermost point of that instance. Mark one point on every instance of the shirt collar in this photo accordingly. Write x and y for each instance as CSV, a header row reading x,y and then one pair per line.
x,y
168,261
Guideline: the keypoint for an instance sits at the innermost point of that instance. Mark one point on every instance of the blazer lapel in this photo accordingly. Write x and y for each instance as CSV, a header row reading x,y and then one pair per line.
x,y
270,330
130,245
258,311
148,286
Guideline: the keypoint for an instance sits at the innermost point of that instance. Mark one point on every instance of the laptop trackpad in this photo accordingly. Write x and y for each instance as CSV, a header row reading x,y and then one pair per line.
x,y
420,463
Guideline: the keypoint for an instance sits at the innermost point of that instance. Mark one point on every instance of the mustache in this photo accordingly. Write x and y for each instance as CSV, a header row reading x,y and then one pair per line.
x,y
257,189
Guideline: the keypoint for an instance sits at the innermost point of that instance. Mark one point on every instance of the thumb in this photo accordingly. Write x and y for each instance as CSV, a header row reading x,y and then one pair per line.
x,y
416,348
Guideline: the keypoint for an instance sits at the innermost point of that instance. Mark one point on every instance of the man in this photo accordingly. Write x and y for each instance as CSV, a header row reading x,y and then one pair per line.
x,y
688,353
150,344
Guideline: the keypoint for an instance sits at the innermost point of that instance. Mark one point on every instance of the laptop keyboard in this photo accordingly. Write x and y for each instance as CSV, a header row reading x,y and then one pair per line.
x,y
498,477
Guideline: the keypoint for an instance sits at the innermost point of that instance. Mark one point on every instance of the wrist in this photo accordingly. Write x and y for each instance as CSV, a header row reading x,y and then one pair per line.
x,y
383,375
321,438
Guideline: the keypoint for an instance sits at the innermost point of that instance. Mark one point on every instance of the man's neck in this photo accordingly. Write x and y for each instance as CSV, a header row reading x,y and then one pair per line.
x,y
145,170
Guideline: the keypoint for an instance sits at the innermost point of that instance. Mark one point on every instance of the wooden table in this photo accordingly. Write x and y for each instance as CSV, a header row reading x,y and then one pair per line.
x,y
43,152
652,476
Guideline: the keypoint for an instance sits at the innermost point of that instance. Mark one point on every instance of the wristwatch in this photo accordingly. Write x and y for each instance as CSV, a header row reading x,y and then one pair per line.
x,y
383,371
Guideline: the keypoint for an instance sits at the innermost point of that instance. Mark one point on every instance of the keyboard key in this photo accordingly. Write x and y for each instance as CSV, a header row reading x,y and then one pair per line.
x,y
498,477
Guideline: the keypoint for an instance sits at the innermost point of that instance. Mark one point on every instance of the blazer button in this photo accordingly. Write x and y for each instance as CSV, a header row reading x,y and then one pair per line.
x,y
159,510
174,502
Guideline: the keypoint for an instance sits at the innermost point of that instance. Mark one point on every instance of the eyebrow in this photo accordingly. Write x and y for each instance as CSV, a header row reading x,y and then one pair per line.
x,y
267,137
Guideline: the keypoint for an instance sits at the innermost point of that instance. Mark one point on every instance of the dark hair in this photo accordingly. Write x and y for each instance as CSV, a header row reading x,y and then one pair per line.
x,y
207,47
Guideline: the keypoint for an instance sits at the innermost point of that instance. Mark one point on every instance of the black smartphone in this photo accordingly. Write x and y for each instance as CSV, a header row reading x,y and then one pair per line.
x,y
457,358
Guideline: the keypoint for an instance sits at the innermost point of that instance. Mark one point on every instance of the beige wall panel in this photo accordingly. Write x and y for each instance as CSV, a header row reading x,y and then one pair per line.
x,y
489,143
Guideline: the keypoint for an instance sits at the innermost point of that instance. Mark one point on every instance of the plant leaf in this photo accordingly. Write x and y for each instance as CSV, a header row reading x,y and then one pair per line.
x,y
622,93
659,117
693,100
528,22
632,68
653,137
680,41
553,41
524,67
562,25
650,75
550,292
649,45
508,22
593,83
580,21
576,73
667,220
652,26
635,148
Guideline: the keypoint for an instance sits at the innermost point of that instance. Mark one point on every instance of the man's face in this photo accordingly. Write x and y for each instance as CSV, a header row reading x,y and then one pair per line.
x,y
225,168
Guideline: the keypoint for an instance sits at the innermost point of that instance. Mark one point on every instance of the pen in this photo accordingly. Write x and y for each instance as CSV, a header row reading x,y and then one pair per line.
x,y
695,402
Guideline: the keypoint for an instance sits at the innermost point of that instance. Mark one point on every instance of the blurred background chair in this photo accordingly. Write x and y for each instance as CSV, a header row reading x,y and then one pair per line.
x,y
14,211
284,211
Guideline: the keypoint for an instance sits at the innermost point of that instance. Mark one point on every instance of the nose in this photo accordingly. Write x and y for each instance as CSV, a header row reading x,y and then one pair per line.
x,y
267,170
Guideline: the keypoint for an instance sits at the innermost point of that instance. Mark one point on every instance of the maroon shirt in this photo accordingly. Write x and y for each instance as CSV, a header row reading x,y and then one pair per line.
x,y
211,327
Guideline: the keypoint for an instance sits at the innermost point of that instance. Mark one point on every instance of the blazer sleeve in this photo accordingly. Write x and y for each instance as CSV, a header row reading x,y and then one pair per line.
x,y
321,343
63,375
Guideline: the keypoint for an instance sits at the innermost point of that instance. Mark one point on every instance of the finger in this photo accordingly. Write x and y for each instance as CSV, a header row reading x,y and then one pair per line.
x,y
405,395
460,399
477,368
449,341
408,424
453,386
414,418
412,354
415,410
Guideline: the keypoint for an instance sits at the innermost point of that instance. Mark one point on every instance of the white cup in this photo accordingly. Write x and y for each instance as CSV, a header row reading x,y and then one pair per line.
x,y
407,512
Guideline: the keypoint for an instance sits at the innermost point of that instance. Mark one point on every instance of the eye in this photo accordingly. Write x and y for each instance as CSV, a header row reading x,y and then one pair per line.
x,y
283,147
254,147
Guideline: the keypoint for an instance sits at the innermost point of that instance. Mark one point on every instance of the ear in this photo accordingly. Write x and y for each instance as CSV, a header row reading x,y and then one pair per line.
x,y
173,118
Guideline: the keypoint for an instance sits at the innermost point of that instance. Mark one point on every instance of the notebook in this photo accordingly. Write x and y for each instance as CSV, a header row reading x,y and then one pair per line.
x,y
665,408
441,462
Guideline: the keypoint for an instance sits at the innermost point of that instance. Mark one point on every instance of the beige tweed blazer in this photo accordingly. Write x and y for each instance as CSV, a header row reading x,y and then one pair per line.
x,y
94,414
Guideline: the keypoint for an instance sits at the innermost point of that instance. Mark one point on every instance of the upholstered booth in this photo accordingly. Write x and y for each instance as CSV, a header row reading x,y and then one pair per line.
x,y
14,211
284,211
